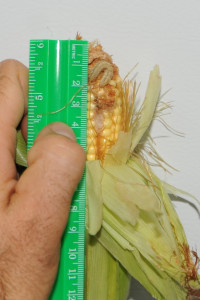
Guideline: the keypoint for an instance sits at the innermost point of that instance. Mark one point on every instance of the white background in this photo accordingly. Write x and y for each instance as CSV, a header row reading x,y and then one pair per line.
x,y
133,31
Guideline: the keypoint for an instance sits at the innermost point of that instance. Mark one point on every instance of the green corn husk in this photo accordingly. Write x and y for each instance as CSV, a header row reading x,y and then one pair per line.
x,y
131,223
106,278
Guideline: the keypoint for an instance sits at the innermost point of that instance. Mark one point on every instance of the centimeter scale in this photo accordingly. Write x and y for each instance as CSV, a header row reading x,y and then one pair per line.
x,y
58,74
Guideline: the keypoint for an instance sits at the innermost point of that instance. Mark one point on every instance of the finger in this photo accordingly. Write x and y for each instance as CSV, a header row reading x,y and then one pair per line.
x,y
13,95
56,163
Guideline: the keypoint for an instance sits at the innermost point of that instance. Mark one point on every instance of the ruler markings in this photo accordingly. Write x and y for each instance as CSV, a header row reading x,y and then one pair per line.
x,y
42,58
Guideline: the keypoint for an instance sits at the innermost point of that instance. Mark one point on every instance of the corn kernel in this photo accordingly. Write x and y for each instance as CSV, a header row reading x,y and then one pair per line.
x,y
91,157
106,132
112,82
92,149
107,123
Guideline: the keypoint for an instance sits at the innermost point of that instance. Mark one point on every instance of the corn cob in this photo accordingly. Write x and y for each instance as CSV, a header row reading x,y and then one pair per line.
x,y
131,222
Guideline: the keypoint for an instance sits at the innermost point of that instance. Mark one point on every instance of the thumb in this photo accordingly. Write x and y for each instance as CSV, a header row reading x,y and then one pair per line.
x,y
56,164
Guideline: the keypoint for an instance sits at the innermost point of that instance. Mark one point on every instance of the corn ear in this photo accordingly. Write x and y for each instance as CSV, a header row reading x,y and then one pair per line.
x,y
105,276
140,226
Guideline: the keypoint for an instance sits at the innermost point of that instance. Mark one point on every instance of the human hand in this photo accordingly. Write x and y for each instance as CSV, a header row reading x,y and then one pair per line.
x,y
33,208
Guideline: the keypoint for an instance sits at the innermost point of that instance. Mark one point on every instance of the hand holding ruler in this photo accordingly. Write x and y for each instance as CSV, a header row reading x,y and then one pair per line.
x,y
58,74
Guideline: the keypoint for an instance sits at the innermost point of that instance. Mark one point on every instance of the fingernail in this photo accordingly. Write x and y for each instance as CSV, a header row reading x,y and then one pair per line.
x,y
63,129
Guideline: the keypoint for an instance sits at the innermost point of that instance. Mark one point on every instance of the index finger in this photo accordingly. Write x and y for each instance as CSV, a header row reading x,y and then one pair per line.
x,y
13,96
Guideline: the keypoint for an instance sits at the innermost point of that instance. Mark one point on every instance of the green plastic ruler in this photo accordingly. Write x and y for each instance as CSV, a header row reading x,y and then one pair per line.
x,y
58,74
